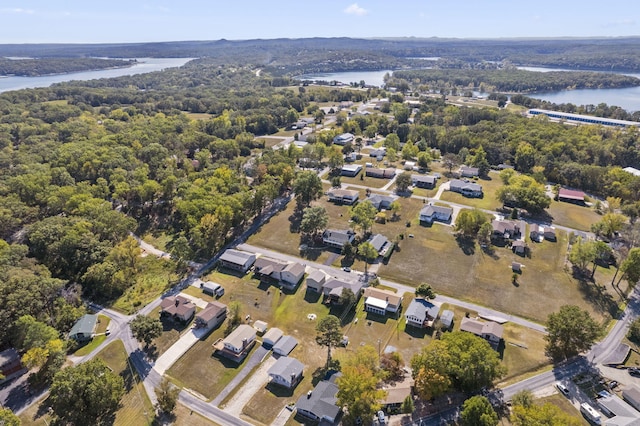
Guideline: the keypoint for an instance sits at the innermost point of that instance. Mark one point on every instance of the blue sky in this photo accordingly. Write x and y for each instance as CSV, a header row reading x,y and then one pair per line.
x,y
87,21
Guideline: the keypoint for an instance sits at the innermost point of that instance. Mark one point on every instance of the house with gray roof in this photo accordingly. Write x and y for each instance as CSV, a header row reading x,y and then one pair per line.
x,y
286,372
350,170
343,196
431,213
421,313
466,171
466,188
237,345
333,288
631,394
271,337
424,181
316,279
84,328
237,260
285,345
380,243
619,412
343,139
488,330
337,238
380,201
446,318
320,404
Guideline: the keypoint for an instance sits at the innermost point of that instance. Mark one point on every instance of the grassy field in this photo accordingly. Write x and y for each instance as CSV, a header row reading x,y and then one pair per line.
x,y
157,276
572,215
269,141
135,406
186,417
101,327
198,115
171,332
159,240
465,271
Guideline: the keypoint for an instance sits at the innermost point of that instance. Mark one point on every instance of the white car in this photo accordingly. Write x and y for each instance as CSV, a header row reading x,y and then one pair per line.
x,y
562,388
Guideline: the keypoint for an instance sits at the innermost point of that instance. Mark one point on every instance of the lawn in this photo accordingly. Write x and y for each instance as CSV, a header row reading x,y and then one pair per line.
x,y
171,332
268,401
103,323
135,406
572,215
158,239
523,350
157,276
198,115
269,141
466,272
185,417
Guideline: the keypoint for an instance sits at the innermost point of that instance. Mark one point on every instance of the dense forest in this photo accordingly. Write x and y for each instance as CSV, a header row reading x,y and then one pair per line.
x,y
30,67
299,56
83,164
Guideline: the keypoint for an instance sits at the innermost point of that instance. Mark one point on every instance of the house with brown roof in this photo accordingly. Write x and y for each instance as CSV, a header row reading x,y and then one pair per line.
x,y
333,288
541,232
343,196
287,274
507,229
10,364
571,196
488,330
397,392
178,308
381,302
212,315
375,172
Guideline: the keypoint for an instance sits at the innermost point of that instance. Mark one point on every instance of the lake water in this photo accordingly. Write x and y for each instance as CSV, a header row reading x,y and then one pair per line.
x,y
144,65
627,98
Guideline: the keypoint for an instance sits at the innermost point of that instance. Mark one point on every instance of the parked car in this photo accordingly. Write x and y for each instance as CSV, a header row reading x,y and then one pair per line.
x,y
562,388
381,418
613,384
634,371
346,269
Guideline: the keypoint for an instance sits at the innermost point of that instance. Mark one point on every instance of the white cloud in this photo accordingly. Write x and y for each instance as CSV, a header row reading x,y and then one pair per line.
x,y
17,10
354,9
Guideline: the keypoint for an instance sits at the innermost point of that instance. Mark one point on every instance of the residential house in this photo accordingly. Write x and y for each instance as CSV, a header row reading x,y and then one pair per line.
x,y
350,157
315,280
488,330
519,247
320,404
467,172
446,318
84,328
503,166
380,243
343,139
300,124
343,196
378,152
285,345
396,394
268,270
272,336
178,308
334,287
466,188
210,288
212,315
237,345
350,170
381,202
619,412
632,170
541,232
424,181
337,238
409,165
549,233
291,275
508,229
375,172
286,372
381,302
421,313
431,213
10,364
237,260
571,196
631,394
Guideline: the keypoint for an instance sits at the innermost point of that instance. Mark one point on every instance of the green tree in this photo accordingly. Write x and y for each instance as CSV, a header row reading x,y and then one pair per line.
x,y
424,158
570,331
634,331
403,182
358,392
392,155
87,391
314,219
407,405
541,414
610,224
233,316
525,157
469,222
307,187
479,160
395,207
409,151
392,141
336,160
145,328
484,234
477,411
7,418
347,298
426,291
524,192
368,252
328,333
167,395
630,267
523,398
450,161
363,214
582,254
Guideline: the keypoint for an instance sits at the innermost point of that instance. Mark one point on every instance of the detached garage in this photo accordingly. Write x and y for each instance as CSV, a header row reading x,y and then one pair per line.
x,y
272,336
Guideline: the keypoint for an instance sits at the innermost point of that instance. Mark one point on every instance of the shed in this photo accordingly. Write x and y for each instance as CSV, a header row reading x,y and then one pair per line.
x,y
260,326
272,336
83,328
209,287
447,318
285,345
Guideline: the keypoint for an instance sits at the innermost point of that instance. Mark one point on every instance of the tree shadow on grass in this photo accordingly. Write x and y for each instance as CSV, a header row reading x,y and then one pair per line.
x,y
466,244
418,333
597,296
381,319
294,221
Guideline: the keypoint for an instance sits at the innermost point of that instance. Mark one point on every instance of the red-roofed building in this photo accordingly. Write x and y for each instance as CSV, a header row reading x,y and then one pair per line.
x,y
571,196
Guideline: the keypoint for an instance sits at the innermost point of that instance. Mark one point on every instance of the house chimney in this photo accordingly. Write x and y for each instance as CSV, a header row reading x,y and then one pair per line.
x,y
244,342
177,302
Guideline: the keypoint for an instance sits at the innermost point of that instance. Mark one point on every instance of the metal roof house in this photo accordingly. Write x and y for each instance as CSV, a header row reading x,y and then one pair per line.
x,y
488,330
337,238
237,260
286,372
468,189
236,346
83,329
380,243
285,345
320,404
421,313
431,213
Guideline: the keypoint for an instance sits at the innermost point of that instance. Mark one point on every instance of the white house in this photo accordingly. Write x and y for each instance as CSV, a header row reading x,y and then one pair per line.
x,y
421,313
343,139
350,170
468,189
337,238
344,196
380,243
212,315
272,336
291,275
381,302
237,345
430,213
237,260
286,372
315,280
488,330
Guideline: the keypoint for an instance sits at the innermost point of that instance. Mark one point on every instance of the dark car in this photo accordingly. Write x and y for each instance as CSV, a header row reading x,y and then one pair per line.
x,y
634,371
